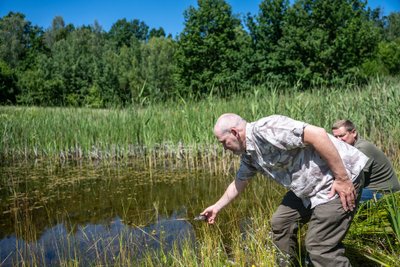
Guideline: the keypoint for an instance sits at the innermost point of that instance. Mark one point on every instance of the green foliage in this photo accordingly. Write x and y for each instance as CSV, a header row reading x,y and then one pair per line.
x,y
7,84
386,61
325,41
393,210
123,31
14,38
208,55
389,55
156,69
311,42
52,130
71,69
20,43
266,30
392,27
58,31
304,44
157,33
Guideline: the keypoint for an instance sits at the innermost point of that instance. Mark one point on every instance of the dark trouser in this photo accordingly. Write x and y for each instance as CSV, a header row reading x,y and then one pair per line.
x,y
328,225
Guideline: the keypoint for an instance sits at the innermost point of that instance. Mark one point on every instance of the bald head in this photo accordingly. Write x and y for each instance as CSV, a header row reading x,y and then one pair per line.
x,y
230,130
228,121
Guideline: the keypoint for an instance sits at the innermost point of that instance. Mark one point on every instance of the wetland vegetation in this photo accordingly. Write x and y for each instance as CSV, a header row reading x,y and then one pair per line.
x,y
121,186
108,153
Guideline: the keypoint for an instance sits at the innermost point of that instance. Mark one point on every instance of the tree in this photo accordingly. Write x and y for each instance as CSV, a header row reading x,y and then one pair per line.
x,y
20,43
14,38
157,68
208,53
7,84
69,75
386,60
392,29
58,31
266,30
156,32
326,41
123,31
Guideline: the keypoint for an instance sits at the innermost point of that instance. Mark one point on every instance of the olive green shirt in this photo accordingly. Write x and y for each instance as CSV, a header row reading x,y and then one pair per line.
x,y
379,173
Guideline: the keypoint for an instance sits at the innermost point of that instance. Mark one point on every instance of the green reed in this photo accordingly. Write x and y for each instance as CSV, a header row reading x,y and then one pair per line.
x,y
180,134
374,233
393,209
182,128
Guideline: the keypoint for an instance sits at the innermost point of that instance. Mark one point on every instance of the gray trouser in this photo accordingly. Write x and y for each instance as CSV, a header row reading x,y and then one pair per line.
x,y
328,225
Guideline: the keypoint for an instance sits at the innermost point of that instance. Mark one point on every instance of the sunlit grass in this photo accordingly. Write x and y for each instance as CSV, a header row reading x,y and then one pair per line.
x,y
179,135
373,234
183,130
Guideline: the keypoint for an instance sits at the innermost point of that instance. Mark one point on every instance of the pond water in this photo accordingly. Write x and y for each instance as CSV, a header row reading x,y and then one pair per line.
x,y
59,211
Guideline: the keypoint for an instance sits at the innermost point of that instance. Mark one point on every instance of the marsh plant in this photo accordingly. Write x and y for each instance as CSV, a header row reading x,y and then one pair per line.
x,y
374,233
173,136
183,130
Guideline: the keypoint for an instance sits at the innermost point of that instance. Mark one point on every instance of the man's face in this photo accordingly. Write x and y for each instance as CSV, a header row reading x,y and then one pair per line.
x,y
344,135
231,142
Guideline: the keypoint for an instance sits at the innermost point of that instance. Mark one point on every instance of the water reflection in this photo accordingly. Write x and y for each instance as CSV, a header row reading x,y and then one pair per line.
x,y
98,243
95,212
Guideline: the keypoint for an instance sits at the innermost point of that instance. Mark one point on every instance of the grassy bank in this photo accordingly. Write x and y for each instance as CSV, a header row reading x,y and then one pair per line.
x,y
175,127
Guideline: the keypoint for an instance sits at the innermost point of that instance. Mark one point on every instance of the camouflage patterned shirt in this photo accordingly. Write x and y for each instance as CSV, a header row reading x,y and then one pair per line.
x,y
274,147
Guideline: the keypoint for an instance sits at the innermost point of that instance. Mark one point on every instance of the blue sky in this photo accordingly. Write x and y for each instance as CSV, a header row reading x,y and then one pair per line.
x,y
155,13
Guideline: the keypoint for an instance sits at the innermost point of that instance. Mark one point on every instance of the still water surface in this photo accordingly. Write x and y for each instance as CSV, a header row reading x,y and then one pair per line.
x,y
53,211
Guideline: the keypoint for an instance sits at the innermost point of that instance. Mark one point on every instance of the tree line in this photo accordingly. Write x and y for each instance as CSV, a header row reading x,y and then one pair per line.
x,y
305,44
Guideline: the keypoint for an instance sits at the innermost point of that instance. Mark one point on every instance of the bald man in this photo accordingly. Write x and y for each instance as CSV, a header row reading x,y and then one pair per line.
x,y
322,174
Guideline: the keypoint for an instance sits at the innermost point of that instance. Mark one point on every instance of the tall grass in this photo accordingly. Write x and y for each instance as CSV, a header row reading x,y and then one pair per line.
x,y
185,128
374,232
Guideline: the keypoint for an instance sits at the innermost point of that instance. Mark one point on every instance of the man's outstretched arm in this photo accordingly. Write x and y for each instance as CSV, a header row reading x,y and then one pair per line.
x,y
233,190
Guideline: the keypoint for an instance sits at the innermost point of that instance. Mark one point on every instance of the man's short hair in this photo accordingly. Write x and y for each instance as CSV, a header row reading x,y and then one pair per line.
x,y
226,121
347,124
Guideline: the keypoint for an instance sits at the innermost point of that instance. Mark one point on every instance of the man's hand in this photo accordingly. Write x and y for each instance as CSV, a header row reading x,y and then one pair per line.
x,y
233,190
211,213
346,191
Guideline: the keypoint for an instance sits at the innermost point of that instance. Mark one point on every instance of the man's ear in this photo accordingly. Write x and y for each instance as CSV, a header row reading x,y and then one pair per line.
x,y
235,132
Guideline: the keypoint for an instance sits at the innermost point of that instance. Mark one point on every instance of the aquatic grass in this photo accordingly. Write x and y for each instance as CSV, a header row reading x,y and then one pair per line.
x,y
173,136
107,134
373,234
393,213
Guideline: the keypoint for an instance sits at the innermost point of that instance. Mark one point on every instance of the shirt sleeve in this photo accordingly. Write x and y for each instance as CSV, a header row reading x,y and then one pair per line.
x,y
246,169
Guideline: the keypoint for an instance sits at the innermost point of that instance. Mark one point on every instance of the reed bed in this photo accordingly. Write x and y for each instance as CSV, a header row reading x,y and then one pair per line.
x,y
241,236
183,130
179,135
231,242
